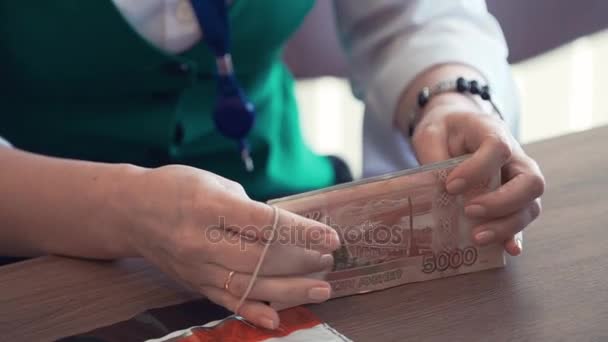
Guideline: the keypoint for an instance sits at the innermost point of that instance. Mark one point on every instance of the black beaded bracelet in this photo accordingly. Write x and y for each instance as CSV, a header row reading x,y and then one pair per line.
x,y
460,85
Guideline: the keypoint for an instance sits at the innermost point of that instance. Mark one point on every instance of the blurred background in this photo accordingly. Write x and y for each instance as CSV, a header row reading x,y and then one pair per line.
x,y
558,49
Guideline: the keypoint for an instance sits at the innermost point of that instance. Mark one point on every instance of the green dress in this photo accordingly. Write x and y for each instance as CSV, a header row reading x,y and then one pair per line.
x,y
77,81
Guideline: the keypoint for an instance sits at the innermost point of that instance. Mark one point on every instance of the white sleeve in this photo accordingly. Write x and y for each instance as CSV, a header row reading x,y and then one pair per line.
x,y
390,42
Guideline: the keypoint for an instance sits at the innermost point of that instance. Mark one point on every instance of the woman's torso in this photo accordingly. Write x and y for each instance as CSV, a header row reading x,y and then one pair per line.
x,y
78,81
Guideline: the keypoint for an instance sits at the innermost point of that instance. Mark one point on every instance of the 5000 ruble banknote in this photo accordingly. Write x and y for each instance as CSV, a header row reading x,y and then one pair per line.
x,y
397,229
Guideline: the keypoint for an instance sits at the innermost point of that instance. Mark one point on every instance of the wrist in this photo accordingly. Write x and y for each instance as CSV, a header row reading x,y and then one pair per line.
x,y
460,100
123,199
154,203
451,103
408,109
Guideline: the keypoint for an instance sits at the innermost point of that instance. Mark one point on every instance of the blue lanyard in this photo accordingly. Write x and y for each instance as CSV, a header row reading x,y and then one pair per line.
x,y
234,115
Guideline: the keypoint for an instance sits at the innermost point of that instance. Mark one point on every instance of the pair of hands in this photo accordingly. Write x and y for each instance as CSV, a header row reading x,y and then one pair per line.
x,y
190,223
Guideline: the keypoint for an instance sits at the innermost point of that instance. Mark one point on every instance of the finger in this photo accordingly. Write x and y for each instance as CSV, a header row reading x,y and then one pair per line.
x,y
511,197
256,220
485,163
233,252
514,246
503,229
255,312
491,145
270,289
431,143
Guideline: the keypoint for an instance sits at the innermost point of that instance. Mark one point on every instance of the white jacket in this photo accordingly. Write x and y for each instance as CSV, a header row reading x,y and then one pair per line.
x,y
390,42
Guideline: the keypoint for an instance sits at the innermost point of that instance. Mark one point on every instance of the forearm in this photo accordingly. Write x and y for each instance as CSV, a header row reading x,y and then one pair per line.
x,y
429,78
58,206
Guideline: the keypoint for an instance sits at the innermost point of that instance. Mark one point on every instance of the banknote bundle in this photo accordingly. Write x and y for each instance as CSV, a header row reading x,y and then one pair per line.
x,y
398,228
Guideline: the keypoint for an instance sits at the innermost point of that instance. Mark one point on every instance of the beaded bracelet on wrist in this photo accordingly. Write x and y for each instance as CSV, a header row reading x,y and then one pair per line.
x,y
460,85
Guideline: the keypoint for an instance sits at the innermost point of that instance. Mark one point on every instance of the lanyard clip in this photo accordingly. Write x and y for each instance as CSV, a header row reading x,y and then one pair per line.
x,y
234,116
246,157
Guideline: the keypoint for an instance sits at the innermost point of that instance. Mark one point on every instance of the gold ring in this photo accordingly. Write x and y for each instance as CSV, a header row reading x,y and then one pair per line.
x,y
228,280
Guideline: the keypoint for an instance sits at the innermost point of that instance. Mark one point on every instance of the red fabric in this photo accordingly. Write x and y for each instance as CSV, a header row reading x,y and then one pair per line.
x,y
291,320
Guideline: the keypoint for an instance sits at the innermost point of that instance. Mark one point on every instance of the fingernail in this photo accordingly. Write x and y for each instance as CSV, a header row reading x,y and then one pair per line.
x,y
519,243
334,240
485,238
327,261
456,186
268,323
475,210
319,294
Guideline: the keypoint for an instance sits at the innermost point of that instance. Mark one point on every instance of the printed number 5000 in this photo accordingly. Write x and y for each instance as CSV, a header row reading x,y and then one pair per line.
x,y
454,259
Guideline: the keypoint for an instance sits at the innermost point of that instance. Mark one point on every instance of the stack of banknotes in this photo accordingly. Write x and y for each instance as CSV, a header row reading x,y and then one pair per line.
x,y
398,228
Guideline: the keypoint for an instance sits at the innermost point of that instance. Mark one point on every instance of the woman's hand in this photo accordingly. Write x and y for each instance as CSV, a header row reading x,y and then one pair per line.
x,y
199,227
452,129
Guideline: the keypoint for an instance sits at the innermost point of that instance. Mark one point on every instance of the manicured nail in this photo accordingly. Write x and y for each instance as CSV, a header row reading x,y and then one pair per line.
x,y
456,186
485,238
268,323
327,261
475,210
319,294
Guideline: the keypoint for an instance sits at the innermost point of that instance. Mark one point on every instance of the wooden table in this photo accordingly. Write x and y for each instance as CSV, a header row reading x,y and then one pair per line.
x,y
556,291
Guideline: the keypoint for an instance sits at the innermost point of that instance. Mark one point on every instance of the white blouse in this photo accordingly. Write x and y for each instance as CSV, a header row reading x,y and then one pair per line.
x,y
168,24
